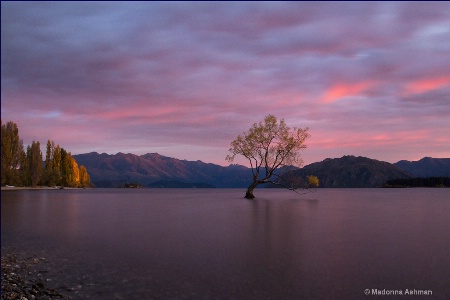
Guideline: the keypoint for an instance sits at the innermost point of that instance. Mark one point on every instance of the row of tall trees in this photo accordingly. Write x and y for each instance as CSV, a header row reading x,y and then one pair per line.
x,y
27,168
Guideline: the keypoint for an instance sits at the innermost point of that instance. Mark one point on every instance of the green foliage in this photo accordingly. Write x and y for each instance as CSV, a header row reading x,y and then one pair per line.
x,y
56,165
48,173
11,154
63,168
52,176
34,159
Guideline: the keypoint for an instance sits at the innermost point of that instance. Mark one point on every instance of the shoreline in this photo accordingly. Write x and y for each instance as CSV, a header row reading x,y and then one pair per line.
x,y
37,188
24,276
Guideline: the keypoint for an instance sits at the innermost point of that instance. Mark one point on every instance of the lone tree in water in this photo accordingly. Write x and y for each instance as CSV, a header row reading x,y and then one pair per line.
x,y
268,146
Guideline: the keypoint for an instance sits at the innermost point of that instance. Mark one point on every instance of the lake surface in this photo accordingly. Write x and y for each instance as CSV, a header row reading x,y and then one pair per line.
x,y
214,244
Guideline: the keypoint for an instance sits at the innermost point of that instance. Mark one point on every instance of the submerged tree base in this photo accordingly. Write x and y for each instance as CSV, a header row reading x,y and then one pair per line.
x,y
250,189
249,195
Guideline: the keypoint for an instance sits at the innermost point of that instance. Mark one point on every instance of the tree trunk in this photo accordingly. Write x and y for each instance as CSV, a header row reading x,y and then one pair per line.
x,y
249,193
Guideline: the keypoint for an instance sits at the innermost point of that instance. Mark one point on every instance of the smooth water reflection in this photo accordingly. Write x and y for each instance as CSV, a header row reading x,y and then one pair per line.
x,y
213,244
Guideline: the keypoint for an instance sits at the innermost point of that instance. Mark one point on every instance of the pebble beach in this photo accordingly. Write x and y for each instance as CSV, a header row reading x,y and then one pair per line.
x,y
25,277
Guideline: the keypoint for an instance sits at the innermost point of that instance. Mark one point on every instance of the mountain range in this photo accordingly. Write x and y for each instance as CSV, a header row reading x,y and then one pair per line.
x,y
426,167
115,170
350,172
155,170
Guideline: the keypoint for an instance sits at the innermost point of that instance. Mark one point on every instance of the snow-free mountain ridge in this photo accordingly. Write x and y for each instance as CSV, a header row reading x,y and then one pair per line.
x,y
116,170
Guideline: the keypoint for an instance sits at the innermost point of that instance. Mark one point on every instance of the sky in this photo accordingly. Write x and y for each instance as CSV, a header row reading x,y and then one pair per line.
x,y
184,79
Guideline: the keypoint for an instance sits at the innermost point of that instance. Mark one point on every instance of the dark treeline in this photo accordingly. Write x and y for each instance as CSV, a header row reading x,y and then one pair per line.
x,y
419,182
22,167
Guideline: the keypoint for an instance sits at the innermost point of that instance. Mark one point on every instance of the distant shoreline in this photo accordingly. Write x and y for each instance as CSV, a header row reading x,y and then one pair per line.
x,y
20,188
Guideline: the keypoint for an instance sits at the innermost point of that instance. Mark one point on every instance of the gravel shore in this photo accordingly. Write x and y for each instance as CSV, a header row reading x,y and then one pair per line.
x,y
24,277
24,188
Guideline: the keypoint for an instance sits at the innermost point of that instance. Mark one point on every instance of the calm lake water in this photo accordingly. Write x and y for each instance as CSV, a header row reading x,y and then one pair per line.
x,y
213,244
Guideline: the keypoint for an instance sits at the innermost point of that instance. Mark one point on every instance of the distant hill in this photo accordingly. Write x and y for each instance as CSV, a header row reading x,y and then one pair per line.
x,y
116,170
350,172
426,167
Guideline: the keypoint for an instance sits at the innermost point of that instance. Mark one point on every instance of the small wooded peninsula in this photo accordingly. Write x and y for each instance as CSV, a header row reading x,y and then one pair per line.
x,y
418,182
26,168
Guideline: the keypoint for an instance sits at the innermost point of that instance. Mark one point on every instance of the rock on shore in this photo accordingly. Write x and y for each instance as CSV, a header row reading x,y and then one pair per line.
x,y
23,280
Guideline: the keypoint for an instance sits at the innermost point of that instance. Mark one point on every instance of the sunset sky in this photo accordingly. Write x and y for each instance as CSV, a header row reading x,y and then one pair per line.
x,y
184,79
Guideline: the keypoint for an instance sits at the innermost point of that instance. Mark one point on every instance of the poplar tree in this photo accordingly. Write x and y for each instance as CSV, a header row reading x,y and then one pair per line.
x,y
11,152
34,159
85,180
48,174
56,166
75,172
63,167
23,171
71,171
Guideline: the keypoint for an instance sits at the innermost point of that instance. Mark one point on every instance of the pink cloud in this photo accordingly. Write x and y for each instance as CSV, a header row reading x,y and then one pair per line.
x,y
425,85
342,90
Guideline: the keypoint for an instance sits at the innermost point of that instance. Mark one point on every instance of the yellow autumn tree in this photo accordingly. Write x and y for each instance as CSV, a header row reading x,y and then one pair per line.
x,y
312,181
71,171
85,180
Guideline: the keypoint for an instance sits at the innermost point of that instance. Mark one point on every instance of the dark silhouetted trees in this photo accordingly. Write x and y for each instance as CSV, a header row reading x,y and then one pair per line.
x,y
419,182
34,163
12,154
